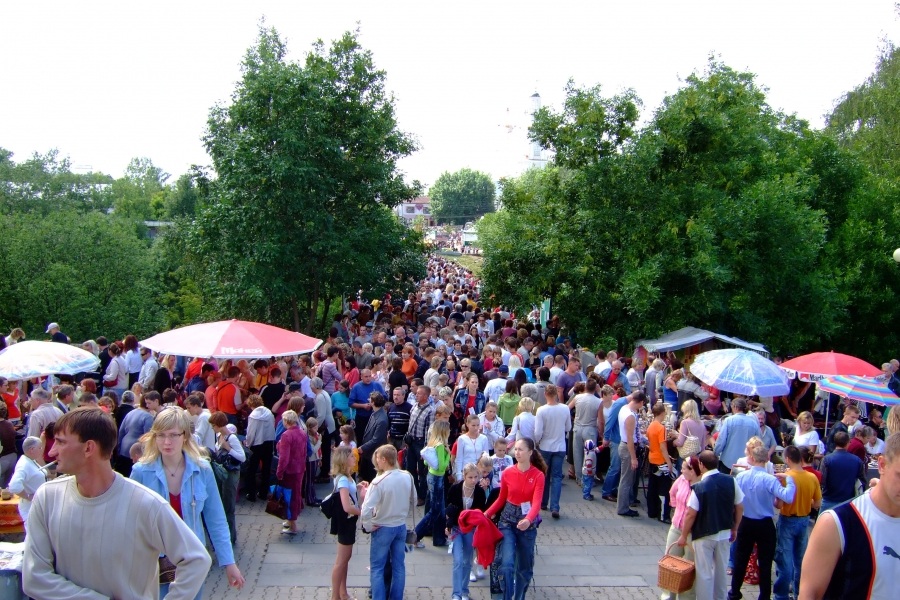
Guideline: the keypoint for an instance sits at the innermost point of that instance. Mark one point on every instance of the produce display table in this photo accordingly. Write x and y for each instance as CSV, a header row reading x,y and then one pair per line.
x,y
10,521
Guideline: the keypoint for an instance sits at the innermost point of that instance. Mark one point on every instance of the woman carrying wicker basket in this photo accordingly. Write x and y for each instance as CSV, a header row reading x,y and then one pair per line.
x,y
678,495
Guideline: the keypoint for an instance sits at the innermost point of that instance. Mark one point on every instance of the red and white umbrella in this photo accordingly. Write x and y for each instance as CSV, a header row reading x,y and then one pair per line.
x,y
819,365
231,339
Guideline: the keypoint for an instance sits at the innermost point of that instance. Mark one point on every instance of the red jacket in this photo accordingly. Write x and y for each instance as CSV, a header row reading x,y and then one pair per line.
x,y
486,534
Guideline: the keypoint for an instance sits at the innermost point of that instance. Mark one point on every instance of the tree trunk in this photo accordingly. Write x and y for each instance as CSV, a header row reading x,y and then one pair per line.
x,y
295,313
326,314
313,309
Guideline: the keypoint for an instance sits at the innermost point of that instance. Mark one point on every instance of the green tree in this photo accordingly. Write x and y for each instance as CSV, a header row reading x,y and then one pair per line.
x,y
866,123
181,199
867,118
306,163
140,192
716,214
45,183
464,195
88,271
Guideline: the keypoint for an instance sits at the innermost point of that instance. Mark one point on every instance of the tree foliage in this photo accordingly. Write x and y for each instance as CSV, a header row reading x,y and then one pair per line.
x,y
720,213
45,183
90,272
461,196
306,163
866,122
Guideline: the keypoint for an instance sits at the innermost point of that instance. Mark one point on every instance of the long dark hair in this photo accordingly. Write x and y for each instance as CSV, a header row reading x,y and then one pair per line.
x,y
537,460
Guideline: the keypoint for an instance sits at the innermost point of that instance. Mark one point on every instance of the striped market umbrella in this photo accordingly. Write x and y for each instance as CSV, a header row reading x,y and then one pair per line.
x,y
861,389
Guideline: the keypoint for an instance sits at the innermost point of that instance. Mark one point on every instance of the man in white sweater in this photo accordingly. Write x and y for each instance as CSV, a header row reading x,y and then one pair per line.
x,y
98,517
552,424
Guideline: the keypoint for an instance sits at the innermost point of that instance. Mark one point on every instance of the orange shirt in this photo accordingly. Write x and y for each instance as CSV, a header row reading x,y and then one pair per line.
x,y
211,403
656,435
409,367
225,392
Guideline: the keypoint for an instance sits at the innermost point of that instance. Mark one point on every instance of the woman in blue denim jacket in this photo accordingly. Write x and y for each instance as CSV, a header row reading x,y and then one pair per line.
x,y
172,461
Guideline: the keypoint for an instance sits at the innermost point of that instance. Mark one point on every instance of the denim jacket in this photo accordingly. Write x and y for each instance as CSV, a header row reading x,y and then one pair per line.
x,y
199,497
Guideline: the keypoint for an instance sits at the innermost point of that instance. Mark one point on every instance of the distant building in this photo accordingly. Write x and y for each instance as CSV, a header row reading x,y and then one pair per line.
x,y
417,207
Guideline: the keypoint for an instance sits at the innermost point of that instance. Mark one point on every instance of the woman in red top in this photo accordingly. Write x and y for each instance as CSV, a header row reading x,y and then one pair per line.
x,y
519,505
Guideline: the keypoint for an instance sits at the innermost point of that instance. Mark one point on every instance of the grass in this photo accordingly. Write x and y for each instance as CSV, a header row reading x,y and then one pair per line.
x,y
470,262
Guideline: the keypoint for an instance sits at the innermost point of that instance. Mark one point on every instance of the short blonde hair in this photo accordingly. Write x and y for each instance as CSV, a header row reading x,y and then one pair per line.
x,y
290,417
254,401
526,404
388,454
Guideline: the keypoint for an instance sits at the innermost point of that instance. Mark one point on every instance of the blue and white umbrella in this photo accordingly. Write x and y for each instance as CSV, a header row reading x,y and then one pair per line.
x,y
740,372
29,359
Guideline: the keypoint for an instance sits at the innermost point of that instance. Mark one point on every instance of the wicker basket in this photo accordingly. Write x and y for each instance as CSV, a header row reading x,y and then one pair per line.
x,y
676,574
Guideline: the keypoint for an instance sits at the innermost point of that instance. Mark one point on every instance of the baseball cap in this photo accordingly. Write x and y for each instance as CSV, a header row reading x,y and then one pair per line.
x,y
53,325
504,370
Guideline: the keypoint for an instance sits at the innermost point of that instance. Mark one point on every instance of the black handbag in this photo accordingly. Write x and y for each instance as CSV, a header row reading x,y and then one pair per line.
x,y
225,459
329,506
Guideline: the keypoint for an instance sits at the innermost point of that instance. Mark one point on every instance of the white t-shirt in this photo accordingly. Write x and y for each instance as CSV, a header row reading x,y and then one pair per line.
x,y
810,438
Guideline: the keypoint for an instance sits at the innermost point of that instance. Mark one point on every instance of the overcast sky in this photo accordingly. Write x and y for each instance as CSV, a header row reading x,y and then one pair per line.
x,y
107,81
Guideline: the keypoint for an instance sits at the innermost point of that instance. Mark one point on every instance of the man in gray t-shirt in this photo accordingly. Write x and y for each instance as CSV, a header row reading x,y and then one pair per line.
x,y
587,408
552,424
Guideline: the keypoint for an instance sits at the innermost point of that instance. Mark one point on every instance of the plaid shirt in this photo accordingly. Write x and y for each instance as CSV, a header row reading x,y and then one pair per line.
x,y
420,418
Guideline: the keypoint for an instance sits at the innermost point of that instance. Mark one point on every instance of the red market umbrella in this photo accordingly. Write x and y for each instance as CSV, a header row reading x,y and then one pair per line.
x,y
231,339
819,365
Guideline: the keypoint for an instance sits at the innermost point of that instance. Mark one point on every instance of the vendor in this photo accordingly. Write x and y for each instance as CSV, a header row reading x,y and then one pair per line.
x,y
28,476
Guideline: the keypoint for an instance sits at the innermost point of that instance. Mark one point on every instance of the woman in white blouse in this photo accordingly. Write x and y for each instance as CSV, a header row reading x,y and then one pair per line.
x,y
491,424
470,446
806,434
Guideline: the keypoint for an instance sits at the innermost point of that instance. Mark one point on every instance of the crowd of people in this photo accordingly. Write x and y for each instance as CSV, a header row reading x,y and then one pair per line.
x,y
440,402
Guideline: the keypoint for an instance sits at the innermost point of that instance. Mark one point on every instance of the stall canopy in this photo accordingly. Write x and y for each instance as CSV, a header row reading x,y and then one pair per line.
x,y
691,336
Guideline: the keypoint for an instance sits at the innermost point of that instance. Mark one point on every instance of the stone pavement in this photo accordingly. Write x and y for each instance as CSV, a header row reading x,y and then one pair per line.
x,y
588,553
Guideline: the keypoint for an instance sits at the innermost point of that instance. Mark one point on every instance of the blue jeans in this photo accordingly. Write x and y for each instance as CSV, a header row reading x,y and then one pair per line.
x,y
388,541
435,519
611,482
462,562
517,566
587,486
554,462
164,591
793,533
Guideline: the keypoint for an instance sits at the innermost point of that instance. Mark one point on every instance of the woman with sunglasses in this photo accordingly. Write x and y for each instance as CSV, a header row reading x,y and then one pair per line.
x,y
173,466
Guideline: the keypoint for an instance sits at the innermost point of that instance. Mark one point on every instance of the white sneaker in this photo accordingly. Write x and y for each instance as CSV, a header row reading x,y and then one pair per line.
x,y
455,597
472,576
420,544
479,571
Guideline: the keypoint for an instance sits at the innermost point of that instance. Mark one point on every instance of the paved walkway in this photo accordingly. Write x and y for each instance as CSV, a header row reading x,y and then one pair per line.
x,y
588,553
